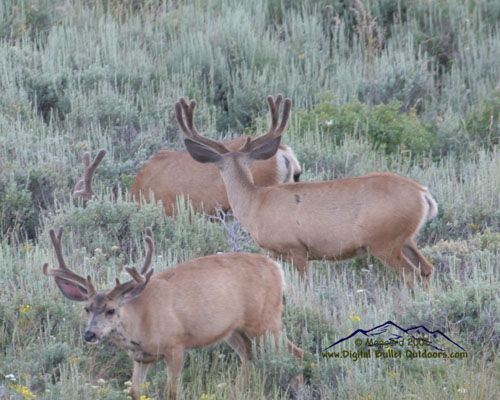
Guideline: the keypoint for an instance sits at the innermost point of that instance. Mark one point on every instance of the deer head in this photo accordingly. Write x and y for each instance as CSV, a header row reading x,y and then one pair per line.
x,y
103,307
206,150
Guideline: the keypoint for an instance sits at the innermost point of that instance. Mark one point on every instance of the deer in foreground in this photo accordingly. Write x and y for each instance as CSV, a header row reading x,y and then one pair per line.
x,y
380,212
170,174
234,297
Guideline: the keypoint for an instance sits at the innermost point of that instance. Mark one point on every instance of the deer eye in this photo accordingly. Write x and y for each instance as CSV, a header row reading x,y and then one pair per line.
x,y
110,312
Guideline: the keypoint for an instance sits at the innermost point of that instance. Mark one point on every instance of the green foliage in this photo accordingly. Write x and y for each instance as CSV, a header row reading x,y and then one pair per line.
x,y
484,123
383,125
471,312
25,197
47,93
26,16
16,212
112,231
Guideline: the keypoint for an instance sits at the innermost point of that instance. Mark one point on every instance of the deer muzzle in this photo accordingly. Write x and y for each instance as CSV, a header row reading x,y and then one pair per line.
x,y
90,337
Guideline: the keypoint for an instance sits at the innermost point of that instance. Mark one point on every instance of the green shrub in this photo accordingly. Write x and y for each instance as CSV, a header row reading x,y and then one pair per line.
x,y
483,124
471,312
47,93
34,17
383,125
111,233
16,211
25,197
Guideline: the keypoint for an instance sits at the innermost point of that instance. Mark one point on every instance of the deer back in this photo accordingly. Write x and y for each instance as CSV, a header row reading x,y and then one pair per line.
x,y
201,301
336,217
170,174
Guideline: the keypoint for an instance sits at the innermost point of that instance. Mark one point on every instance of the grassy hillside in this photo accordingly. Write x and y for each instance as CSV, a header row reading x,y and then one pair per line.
x,y
408,86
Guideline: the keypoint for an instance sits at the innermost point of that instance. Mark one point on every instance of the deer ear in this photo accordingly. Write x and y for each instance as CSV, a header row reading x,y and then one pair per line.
x,y
201,153
72,290
266,150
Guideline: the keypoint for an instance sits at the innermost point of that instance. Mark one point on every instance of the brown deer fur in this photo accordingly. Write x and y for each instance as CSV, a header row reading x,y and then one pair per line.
x,y
338,219
234,297
170,174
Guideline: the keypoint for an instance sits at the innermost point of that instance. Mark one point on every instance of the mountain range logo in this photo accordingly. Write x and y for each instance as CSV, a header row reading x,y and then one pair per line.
x,y
389,332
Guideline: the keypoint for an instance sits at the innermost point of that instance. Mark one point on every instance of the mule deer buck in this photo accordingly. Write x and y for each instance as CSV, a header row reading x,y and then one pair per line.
x,y
235,297
170,174
337,219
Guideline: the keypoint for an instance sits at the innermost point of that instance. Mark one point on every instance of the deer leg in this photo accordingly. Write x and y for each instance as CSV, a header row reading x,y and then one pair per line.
x,y
410,250
304,267
175,362
138,377
292,349
396,260
296,351
242,345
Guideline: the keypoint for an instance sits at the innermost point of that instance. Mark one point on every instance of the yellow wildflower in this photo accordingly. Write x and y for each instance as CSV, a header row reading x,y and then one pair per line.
x,y
25,309
24,390
354,318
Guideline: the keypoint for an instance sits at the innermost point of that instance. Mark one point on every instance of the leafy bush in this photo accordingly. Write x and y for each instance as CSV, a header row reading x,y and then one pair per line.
x,y
470,312
16,212
48,93
484,124
111,232
32,16
25,197
383,125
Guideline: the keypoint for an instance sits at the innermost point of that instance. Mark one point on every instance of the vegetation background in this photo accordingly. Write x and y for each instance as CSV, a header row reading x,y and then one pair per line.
x,y
409,86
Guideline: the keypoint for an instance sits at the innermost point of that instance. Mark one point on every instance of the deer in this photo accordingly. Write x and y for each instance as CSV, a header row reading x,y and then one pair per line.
x,y
231,297
380,212
171,174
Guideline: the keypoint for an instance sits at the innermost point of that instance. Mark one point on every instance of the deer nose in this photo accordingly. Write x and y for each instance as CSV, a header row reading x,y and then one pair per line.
x,y
89,336
296,177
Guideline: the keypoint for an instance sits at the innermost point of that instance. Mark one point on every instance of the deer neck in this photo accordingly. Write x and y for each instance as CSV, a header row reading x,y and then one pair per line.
x,y
240,188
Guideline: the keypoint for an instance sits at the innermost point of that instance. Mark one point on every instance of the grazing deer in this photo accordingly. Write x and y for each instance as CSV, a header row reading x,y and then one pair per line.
x,y
170,174
378,212
234,297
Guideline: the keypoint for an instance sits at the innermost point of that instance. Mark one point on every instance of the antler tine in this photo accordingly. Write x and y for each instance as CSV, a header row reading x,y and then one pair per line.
x,y
63,271
84,186
149,255
184,113
286,116
138,277
274,107
273,132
